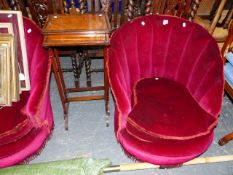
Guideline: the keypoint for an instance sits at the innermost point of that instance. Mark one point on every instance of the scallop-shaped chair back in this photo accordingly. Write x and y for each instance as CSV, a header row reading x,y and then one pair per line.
x,y
169,47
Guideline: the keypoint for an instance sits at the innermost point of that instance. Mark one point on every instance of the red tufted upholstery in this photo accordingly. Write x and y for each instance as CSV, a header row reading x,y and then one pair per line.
x,y
166,76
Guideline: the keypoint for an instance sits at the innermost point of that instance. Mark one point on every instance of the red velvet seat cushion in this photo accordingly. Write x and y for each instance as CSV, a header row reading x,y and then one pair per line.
x,y
164,109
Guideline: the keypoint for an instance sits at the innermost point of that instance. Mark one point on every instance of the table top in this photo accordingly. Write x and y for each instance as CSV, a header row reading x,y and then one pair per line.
x,y
75,30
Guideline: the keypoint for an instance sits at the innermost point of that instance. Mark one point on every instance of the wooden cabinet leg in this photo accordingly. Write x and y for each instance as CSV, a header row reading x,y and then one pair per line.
x,y
53,55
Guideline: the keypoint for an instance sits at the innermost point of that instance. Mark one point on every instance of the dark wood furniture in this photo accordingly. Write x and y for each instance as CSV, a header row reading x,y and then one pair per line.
x,y
228,89
216,22
80,31
123,10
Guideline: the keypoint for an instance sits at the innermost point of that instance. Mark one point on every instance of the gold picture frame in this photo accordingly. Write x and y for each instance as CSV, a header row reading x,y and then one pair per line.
x,y
16,19
5,95
6,28
7,39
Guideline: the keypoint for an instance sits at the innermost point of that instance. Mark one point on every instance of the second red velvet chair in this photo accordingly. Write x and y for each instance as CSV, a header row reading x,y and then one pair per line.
x,y
27,124
166,75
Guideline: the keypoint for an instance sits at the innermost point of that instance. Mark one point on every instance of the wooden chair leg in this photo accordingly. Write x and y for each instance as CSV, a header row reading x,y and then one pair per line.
x,y
225,139
217,16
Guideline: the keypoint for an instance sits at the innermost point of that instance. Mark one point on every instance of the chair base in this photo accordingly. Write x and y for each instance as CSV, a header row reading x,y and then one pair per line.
x,y
161,153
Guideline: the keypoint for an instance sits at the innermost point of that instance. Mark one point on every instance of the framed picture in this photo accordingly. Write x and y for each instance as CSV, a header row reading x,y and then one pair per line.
x,y
9,41
5,95
16,19
6,28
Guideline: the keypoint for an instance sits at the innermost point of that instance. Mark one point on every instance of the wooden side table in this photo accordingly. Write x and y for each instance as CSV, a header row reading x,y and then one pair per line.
x,y
76,31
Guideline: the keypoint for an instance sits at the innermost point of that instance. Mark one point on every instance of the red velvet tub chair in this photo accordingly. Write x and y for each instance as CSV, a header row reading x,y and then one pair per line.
x,y
166,75
26,125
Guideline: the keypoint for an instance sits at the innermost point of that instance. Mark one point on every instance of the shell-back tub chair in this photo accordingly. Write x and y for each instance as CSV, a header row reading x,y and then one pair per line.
x,y
26,125
166,75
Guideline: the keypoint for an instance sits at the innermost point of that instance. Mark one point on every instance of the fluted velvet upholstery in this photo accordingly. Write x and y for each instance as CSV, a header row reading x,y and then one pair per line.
x,y
166,76
26,125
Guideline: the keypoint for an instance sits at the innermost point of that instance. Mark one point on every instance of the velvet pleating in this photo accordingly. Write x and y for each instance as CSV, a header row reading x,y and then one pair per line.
x,y
166,75
26,125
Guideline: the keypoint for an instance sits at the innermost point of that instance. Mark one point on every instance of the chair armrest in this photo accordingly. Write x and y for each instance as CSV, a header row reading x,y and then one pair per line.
x,y
39,71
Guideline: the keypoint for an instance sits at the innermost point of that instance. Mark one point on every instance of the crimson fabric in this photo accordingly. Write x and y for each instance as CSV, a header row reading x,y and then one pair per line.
x,y
25,126
165,110
168,120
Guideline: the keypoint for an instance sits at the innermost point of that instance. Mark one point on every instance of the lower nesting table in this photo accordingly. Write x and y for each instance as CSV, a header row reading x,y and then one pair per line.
x,y
76,31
